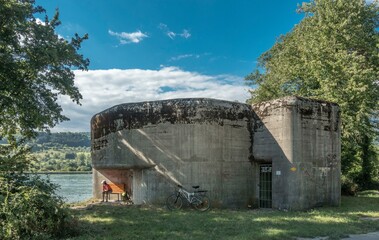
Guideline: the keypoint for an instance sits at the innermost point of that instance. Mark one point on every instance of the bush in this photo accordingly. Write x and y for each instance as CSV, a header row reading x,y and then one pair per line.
x,y
70,156
348,186
31,210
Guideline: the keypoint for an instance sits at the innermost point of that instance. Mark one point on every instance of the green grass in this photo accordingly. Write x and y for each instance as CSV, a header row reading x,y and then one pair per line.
x,y
369,193
143,222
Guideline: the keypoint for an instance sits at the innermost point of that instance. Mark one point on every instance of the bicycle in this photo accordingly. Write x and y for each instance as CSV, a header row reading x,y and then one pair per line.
x,y
197,199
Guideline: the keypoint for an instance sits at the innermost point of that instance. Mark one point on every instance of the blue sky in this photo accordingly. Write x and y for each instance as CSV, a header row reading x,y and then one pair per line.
x,y
150,50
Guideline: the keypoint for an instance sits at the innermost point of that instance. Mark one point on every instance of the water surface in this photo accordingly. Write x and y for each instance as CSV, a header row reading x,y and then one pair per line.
x,y
73,187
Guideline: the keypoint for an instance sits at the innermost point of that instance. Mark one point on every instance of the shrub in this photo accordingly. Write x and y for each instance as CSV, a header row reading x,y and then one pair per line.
x,y
31,210
70,156
348,186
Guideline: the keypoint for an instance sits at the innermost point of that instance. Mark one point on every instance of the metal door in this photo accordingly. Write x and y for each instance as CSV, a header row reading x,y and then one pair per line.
x,y
265,186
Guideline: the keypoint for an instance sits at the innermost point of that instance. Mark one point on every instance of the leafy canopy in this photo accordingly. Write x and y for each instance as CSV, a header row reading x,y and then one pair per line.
x,y
332,54
35,68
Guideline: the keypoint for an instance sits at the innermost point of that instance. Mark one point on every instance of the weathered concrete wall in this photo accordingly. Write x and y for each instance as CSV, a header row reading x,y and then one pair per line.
x,y
301,138
202,142
219,145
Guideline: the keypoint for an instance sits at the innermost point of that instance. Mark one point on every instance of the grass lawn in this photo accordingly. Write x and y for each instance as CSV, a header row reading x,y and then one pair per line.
x,y
144,222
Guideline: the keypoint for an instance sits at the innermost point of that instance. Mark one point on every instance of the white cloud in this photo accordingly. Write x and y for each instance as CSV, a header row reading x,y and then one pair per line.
x,y
189,56
171,34
40,22
125,38
185,33
102,89
163,26
183,56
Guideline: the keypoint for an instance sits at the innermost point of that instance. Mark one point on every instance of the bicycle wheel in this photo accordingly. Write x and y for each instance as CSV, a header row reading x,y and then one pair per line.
x,y
174,202
203,203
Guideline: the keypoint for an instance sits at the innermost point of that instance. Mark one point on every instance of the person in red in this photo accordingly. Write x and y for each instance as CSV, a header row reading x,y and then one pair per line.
x,y
106,190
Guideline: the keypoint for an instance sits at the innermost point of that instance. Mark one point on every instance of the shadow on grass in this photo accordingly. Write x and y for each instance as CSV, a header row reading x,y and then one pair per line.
x,y
368,193
133,222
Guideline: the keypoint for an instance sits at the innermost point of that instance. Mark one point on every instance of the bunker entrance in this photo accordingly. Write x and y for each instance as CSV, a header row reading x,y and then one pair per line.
x,y
265,185
120,181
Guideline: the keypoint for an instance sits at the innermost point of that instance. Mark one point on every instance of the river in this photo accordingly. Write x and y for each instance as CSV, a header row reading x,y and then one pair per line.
x,y
73,187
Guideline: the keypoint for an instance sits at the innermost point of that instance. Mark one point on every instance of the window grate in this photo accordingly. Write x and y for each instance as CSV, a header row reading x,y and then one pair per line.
x,y
265,186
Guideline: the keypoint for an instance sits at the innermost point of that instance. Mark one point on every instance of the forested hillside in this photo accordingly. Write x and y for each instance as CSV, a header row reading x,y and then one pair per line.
x,y
65,151
69,139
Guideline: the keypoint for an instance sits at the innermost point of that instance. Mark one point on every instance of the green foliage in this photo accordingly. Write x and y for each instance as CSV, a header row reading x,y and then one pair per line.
x,y
31,210
14,158
348,186
332,54
69,139
35,69
55,160
65,151
70,156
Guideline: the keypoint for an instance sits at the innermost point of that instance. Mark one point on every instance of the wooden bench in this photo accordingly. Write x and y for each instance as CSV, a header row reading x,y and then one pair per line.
x,y
117,188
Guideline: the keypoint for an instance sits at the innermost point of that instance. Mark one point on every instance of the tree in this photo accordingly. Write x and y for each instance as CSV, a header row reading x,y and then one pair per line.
x,y
332,54
35,69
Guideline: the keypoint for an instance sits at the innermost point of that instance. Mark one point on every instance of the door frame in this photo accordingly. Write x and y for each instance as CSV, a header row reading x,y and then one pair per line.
x,y
265,185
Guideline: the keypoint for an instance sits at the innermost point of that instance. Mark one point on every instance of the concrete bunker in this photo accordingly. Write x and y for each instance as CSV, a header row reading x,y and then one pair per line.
x,y
279,154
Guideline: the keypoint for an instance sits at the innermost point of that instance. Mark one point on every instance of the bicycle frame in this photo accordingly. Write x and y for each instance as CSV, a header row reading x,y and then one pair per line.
x,y
189,196
197,199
